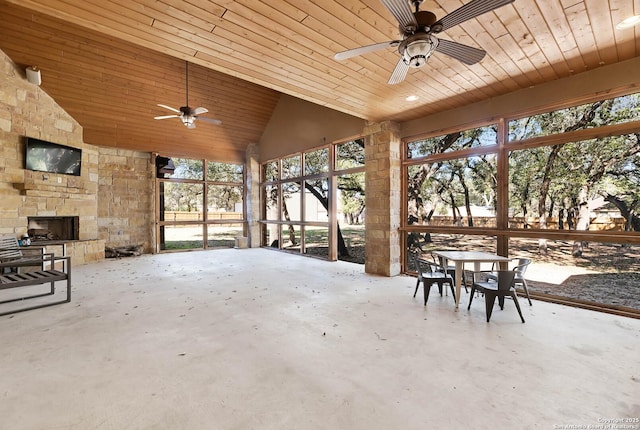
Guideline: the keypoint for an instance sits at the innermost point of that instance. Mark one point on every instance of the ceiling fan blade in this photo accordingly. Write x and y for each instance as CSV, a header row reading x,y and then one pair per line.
x,y
401,11
170,108
365,49
210,120
470,10
467,54
166,116
399,73
199,111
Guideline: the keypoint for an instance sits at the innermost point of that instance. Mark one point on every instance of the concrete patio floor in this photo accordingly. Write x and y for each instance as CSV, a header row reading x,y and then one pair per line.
x,y
257,339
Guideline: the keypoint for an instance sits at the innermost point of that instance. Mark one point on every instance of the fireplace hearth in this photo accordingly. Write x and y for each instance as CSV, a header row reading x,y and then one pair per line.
x,y
53,228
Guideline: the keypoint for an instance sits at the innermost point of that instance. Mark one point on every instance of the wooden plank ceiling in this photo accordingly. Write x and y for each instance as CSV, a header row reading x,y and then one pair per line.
x,y
109,62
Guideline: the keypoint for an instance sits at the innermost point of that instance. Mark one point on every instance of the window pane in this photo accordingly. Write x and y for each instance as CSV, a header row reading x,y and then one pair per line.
x,y
476,137
291,201
224,202
182,237
316,241
291,167
604,272
271,202
460,192
316,200
182,202
350,154
290,236
224,172
591,185
351,198
270,235
270,171
316,162
187,169
223,235
606,112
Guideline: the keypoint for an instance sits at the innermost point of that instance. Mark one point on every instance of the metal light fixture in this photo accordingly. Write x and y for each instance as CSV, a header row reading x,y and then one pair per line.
x,y
188,120
33,75
418,49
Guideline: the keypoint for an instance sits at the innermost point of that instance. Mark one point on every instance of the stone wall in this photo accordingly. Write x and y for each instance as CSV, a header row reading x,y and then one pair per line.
x,y
382,173
126,203
113,197
26,110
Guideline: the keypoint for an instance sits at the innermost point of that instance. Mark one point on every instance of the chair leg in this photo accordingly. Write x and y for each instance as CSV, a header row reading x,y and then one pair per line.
x,y
515,300
501,301
526,290
427,288
440,288
489,301
453,292
473,290
416,291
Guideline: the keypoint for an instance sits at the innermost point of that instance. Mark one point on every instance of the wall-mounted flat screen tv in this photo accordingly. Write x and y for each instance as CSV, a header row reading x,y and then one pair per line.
x,y
51,157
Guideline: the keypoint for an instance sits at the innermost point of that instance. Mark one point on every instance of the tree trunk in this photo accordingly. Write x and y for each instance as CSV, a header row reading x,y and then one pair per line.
x,y
632,221
582,223
467,199
292,230
544,192
343,251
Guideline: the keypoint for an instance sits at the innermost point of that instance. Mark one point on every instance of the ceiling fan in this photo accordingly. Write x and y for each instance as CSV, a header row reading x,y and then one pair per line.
x,y
419,31
187,114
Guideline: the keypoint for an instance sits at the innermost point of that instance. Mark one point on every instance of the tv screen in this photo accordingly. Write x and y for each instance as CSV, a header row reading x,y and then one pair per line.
x,y
50,157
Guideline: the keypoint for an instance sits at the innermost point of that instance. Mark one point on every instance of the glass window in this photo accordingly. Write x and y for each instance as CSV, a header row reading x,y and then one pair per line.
x,y
316,241
350,154
187,169
302,202
182,201
271,193
291,201
224,172
224,202
270,171
290,237
291,167
459,192
316,161
597,114
184,237
607,273
316,200
592,185
223,235
473,138
351,199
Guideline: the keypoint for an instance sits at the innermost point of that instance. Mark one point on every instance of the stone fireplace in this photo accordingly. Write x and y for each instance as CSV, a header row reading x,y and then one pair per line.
x,y
53,228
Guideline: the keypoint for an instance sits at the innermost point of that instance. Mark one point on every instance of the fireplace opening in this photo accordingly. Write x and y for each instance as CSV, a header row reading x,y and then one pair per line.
x,y
53,228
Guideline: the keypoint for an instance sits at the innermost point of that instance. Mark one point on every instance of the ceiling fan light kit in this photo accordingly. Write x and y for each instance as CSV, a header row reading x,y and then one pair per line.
x,y
418,49
419,29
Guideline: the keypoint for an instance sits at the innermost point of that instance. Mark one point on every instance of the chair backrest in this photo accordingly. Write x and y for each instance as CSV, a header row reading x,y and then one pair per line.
x,y
506,279
423,266
521,268
439,260
9,249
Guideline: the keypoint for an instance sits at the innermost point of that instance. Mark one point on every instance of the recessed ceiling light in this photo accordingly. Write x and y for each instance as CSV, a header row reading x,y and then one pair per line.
x,y
412,98
629,22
